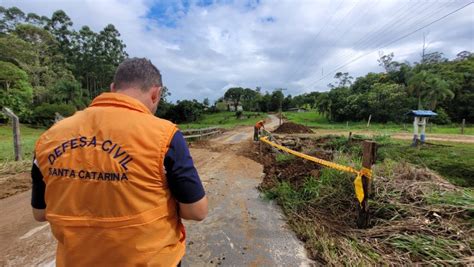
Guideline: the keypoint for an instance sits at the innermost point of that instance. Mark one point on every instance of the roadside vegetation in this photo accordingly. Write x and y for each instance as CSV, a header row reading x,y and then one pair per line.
x,y
316,120
225,120
453,161
29,136
418,217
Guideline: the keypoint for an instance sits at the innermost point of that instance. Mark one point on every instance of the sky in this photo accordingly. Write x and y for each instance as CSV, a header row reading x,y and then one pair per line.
x,y
202,48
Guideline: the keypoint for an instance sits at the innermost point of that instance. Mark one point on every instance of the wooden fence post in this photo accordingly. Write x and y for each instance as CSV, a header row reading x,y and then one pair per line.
x,y
16,132
368,159
462,125
368,121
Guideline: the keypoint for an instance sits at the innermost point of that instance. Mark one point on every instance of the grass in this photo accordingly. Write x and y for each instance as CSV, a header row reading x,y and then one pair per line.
x,y
314,119
425,246
284,157
416,217
453,161
225,120
29,136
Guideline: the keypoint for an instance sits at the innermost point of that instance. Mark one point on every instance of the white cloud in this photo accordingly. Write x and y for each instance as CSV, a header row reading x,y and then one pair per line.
x,y
272,44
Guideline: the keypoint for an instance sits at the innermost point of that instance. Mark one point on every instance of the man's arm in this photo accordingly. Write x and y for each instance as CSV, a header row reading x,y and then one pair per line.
x,y
196,211
37,193
39,215
184,181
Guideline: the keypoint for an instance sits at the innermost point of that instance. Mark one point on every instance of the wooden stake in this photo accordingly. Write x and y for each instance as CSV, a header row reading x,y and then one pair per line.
x,y
16,132
368,121
368,159
463,125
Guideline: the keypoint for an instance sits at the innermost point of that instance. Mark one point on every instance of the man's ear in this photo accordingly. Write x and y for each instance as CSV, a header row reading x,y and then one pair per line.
x,y
156,94
112,87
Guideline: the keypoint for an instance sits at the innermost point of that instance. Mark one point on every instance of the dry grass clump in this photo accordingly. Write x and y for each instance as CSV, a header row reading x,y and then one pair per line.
x,y
14,167
417,216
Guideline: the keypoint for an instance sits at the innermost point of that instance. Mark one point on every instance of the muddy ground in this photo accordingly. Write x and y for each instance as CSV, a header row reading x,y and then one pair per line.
x,y
12,184
241,229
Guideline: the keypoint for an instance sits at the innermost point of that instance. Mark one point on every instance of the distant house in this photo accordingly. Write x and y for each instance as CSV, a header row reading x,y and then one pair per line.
x,y
297,110
228,106
231,107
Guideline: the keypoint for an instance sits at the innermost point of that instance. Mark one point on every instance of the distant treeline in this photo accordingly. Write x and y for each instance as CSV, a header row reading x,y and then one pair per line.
x,y
46,66
436,83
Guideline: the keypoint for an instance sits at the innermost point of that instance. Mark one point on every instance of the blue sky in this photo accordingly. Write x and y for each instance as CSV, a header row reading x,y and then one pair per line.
x,y
205,47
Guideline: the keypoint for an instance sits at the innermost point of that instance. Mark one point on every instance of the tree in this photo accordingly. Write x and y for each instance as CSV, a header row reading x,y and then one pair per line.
x,y
15,91
250,99
60,25
9,18
429,88
164,106
276,100
45,65
433,58
205,102
68,91
323,104
344,79
186,111
463,55
234,95
386,61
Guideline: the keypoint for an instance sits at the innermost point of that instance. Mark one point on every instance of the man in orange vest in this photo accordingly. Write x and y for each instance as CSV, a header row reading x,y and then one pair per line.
x,y
114,181
256,130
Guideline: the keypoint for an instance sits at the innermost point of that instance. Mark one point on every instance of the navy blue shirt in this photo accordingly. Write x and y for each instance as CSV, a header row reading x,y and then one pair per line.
x,y
183,179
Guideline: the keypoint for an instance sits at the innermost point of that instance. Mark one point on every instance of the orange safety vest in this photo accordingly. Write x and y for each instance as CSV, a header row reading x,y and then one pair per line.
x,y
107,198
259,125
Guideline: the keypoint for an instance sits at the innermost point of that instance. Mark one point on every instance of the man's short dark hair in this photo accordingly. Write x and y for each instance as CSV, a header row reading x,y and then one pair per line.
x,y
137,72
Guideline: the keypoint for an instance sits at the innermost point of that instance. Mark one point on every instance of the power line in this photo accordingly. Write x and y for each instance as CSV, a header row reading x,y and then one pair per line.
x,y
332,43
317,35
370,40
398,15
394,41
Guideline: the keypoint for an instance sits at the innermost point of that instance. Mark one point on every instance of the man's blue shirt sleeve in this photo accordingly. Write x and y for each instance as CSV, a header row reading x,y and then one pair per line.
x,y
182,176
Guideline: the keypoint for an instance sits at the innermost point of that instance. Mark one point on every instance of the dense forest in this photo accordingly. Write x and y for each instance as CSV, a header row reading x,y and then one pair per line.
x,y
46,66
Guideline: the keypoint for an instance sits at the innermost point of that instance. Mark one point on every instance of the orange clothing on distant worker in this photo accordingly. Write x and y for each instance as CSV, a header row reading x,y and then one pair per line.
x,y
107,197
259,125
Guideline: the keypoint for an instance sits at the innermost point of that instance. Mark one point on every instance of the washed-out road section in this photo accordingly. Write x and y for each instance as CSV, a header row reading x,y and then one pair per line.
x,y
242,228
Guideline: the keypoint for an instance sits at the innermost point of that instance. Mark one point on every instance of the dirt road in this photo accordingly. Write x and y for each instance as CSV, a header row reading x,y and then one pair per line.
x,y
455,138
241,229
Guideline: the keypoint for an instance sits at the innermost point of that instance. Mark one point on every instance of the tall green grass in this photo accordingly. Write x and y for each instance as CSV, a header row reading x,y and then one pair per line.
x,y
29,136
225,120
315,120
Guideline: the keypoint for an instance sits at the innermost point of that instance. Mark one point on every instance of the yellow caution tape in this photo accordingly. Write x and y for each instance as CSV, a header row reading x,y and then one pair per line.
x,y
359,189
358,186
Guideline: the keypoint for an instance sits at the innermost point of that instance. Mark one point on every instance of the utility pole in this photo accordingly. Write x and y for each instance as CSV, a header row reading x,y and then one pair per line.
x,y
281,103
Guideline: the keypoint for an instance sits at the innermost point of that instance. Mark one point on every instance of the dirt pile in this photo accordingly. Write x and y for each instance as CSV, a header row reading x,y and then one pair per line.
x,y
290,127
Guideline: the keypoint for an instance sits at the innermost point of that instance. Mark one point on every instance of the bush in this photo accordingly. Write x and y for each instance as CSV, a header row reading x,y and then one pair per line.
x,y
238,114
185,111
442,118
45,113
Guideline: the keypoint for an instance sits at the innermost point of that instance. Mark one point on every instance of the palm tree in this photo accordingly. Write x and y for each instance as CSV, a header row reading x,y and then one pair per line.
x,y
429,88
438,91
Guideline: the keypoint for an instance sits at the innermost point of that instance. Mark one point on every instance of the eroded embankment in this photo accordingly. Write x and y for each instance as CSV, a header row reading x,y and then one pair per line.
x,y
416,215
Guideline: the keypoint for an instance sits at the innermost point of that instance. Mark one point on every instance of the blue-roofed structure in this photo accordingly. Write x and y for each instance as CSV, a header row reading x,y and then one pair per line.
x,y
422,113
420,119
